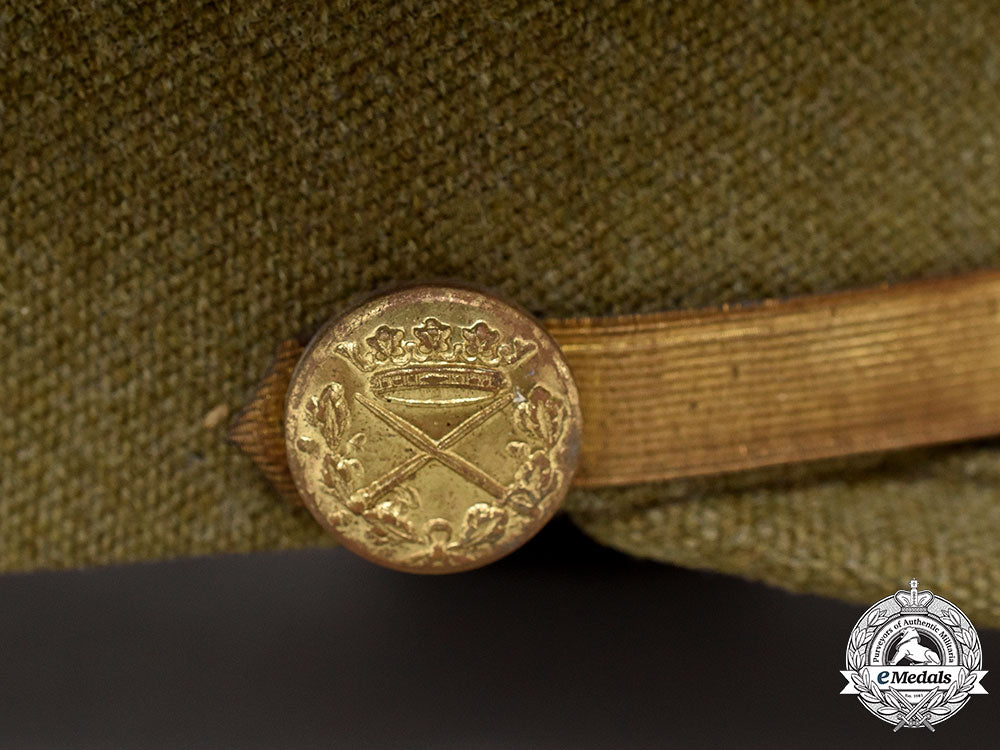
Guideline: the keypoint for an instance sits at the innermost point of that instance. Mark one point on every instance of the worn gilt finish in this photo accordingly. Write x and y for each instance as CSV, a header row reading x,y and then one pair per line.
x,y
433,429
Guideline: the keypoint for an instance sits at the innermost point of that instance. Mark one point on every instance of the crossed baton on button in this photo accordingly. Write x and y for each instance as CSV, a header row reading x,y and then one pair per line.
x,y
432,450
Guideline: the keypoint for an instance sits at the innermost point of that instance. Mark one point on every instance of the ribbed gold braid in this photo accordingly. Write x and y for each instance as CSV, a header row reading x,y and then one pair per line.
x,y
682,394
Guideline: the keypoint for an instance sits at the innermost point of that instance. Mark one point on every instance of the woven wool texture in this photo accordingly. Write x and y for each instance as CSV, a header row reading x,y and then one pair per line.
x,y
185,185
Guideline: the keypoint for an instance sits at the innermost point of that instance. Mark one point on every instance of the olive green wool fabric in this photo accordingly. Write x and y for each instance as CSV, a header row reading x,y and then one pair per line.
x,y
185,185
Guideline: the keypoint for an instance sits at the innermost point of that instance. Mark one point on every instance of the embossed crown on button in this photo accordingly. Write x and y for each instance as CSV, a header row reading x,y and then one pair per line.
x,y
432,429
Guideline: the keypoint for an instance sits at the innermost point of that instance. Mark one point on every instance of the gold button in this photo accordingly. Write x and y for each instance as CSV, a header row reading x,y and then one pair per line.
x,y
433,429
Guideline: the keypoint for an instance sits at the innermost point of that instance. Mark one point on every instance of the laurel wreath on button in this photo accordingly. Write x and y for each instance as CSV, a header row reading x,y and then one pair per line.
x,y
540,416
890,703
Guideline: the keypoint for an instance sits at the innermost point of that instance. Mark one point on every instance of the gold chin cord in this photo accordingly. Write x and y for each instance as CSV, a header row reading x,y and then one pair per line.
x,y
682,394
